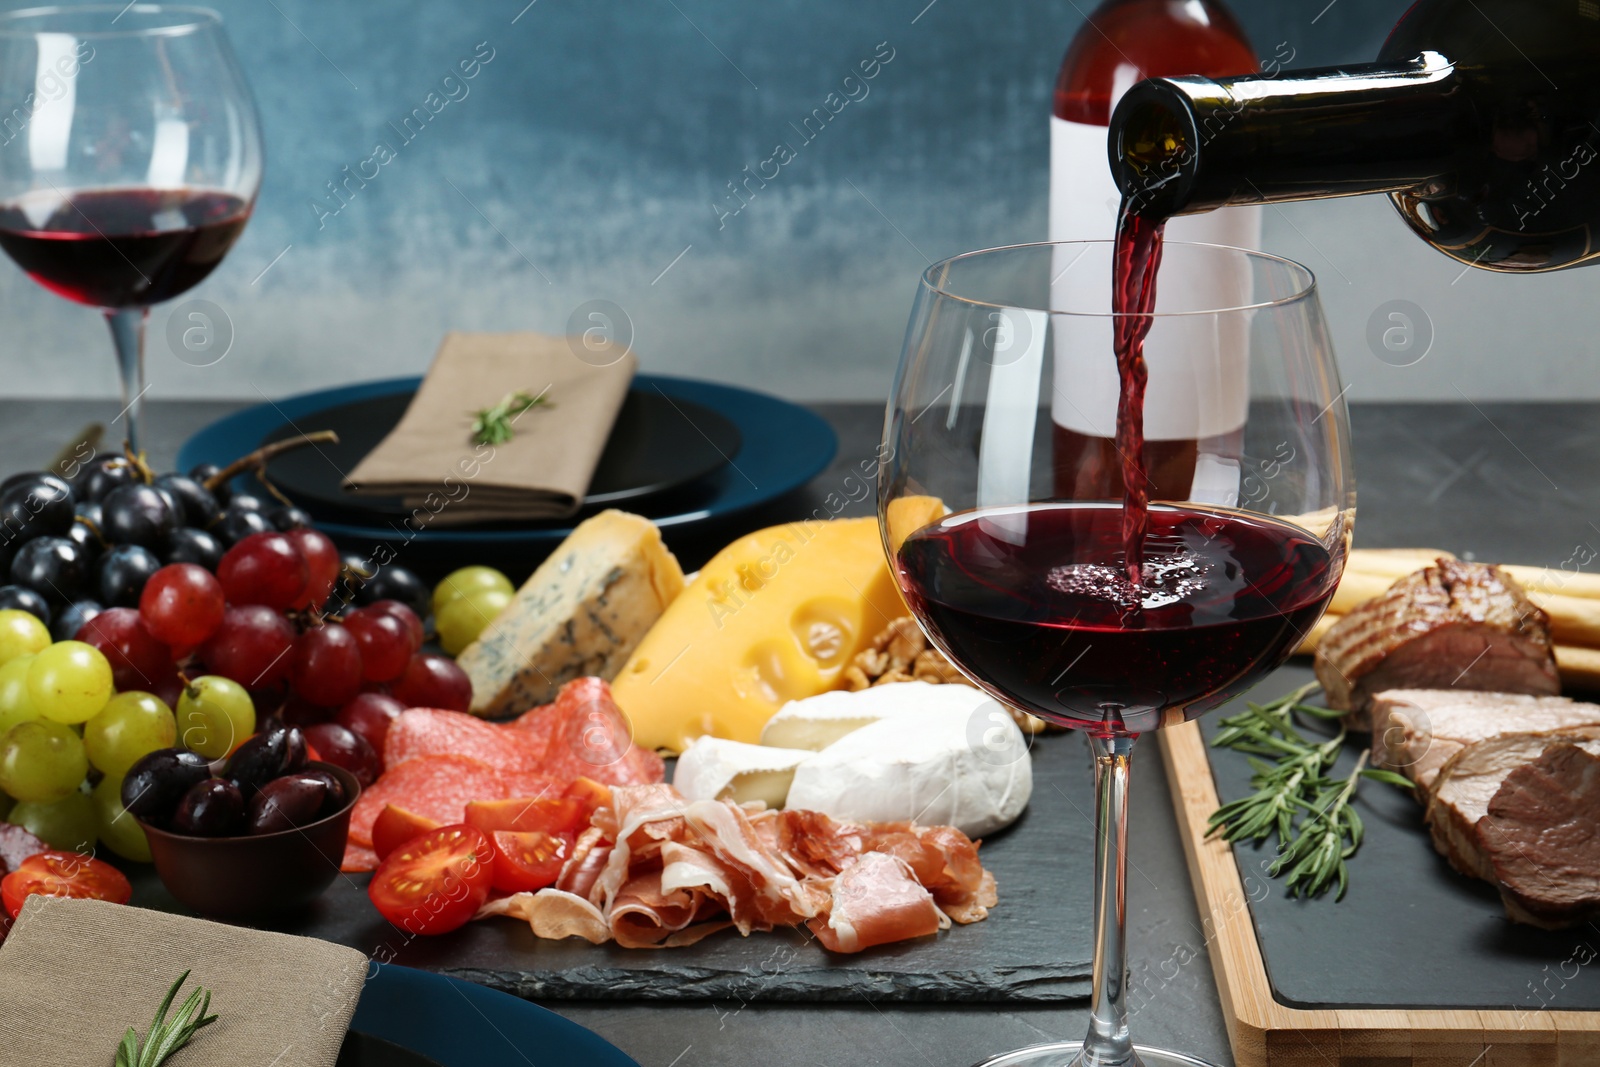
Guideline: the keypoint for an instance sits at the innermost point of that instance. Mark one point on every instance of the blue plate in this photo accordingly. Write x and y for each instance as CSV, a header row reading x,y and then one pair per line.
x,y
784,447
458,1024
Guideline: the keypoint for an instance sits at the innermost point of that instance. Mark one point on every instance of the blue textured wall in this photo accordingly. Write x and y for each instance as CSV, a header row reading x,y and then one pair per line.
x,y
593,152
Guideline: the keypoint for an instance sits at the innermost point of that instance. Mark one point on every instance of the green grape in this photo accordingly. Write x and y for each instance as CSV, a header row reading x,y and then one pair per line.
x,y
214,715
131,725
469,580
16,706
67,823
42,761
21,635
120,831
69,681
461,620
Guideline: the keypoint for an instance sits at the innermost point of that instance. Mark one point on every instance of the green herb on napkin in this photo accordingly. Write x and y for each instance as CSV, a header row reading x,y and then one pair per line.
x,y
166,1036
492,426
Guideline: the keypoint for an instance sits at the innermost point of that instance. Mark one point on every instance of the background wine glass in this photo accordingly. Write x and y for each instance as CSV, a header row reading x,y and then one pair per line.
x,y
130,158
1025,589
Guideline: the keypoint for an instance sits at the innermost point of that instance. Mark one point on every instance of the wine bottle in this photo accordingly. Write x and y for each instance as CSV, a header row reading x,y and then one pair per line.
x,y
1121,42
1480,119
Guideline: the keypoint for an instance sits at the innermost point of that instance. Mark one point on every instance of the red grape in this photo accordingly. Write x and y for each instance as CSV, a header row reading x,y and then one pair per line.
x,y
322,564
433,681
264,568
182,604
385,644
327,665
345,748
369,715
298,711
138,660
169,687
405,615
251,646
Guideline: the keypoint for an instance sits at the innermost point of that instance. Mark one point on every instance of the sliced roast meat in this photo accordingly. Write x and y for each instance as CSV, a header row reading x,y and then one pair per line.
x,y
1469,780
1415,731
1541,836
1453,625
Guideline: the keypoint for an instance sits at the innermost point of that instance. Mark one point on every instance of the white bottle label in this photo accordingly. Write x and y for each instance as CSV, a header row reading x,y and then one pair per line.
x,y
1196,390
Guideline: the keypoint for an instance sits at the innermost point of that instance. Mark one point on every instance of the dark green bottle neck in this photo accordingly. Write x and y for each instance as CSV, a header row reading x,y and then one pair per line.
x,y
1185,145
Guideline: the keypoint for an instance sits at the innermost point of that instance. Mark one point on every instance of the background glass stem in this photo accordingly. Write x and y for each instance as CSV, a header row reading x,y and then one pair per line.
x,y
127,333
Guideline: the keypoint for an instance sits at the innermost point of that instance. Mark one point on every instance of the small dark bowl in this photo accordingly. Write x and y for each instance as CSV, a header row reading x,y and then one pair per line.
x,y
255,876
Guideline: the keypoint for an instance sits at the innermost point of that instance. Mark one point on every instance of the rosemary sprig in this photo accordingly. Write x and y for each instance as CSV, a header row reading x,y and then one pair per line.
x,y
166,1036
492,425
1310,814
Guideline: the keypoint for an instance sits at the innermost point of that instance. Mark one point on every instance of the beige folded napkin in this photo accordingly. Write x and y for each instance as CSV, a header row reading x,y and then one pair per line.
x,y
429,458
75,974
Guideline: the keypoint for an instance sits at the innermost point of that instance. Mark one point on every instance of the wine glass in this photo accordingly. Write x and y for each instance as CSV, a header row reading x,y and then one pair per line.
x,y
1023,582
130,157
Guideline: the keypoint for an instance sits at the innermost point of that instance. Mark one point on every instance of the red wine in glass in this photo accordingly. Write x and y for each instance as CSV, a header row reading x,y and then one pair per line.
x,y
1023,597
116,248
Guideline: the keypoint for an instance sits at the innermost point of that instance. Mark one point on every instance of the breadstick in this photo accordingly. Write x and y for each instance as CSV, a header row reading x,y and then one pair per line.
x,y
1580,667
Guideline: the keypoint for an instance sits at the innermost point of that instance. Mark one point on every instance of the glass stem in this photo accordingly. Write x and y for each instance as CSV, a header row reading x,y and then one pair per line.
x,y
127,334
1108,1043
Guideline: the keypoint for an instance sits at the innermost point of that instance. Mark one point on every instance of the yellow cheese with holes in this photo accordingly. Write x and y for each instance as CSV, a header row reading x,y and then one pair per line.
x,y
774,617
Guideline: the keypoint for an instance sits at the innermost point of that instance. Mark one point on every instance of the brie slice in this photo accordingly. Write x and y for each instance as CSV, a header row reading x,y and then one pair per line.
x,y
717,769
958,763
817,722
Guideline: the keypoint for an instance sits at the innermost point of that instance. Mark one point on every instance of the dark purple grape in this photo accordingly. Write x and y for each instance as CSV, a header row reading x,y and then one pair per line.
x,y
247,502
72,619
189,545
121,574
53,567
290,518
264,757
153,786
99,477
287,802
137,515
204,473
199,506
212,808
396,583
24,599
43,501
336,797
82,535
238,523
343,747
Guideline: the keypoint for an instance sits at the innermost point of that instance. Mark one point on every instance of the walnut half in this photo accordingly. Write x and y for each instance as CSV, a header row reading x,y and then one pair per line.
x,y
901,653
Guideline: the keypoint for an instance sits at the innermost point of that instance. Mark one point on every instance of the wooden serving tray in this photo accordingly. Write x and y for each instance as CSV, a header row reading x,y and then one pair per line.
x,y
1265,1032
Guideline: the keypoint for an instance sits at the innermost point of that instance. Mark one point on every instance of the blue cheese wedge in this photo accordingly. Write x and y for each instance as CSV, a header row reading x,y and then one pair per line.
x,y
714,768
581,613
959,761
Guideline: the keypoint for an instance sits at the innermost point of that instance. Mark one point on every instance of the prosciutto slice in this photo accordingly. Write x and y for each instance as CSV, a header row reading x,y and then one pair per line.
x,y
658,871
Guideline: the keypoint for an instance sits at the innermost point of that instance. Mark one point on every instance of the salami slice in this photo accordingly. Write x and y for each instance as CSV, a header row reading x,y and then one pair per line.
x,y
436,787
358,859
435,732
16,845
589,737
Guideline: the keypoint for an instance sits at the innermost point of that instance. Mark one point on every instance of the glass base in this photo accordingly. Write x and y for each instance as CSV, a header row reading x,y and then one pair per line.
x,y
1065,1054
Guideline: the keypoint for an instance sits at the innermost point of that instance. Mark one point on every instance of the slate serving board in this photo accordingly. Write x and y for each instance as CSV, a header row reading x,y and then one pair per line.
x,y
1410,932
1034,947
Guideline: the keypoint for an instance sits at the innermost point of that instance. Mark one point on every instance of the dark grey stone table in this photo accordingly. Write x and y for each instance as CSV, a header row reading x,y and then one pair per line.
x,y
1513,482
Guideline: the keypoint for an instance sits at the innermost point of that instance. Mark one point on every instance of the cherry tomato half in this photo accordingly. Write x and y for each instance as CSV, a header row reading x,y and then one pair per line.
x,y
527,861
552,815
434,883
63,874
395,826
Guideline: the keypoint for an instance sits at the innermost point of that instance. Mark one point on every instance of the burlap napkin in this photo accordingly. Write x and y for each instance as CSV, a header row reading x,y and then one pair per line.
x,y
75,974
543,472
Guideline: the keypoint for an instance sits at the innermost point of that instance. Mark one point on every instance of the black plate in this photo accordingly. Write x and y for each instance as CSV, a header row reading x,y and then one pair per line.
x,y
657,445
364,1050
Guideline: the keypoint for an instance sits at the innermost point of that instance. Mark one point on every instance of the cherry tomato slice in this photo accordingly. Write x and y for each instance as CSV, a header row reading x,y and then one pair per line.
x,y
527,861
590,795
63,874
434,883
395,826
553,815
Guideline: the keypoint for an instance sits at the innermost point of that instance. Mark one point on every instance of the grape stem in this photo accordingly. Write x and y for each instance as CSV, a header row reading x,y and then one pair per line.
x,y
257,461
